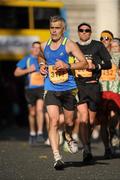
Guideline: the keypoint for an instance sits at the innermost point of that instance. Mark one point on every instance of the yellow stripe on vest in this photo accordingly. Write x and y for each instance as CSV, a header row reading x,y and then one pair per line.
x,y
28,63
49,42
64,41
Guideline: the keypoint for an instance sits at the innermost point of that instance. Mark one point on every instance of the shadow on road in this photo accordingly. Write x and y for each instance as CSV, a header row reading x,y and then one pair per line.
x,y
81,164
96,160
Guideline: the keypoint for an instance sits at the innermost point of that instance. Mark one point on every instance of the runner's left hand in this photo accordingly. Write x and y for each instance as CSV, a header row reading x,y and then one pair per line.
x,y
60,65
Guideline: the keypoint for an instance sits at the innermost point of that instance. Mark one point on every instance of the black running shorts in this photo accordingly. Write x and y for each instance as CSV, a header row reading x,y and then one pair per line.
x,y
65,99
33,94
89,93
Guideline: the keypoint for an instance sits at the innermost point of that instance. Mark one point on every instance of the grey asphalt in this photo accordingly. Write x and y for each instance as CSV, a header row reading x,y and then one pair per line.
x,y
19,161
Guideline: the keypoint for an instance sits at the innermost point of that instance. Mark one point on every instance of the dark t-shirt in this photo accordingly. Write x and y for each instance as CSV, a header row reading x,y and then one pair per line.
x,y
100,57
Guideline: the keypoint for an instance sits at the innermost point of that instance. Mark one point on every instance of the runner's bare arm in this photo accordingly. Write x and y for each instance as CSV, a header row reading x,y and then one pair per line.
x,y
43,66
20,72
41,57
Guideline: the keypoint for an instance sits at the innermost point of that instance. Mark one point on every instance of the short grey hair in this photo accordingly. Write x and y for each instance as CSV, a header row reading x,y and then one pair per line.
x,y
58,18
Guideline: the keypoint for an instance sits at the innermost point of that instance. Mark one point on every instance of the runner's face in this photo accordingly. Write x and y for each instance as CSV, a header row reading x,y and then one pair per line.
x,y
84,33
56,30
115,47
106,41
36,49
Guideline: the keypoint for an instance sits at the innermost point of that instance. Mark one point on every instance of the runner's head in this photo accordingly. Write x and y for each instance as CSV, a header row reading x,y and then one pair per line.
x,y
35,50
84,32
115,45
106,37
57,28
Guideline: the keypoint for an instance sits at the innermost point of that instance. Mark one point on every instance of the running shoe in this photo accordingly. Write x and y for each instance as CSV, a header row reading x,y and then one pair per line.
x,y
32,140
108,153
76,137
40,138
115,141
59,164
47,142
70,145
87,157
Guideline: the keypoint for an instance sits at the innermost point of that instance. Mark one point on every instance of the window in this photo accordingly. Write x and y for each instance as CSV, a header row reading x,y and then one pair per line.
x,y
14,17
42,15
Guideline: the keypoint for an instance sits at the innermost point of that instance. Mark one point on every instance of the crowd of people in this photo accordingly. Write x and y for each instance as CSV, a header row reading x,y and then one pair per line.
x,y
75,87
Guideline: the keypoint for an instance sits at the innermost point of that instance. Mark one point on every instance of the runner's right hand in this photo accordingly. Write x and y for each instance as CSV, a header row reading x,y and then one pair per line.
x,y
43,69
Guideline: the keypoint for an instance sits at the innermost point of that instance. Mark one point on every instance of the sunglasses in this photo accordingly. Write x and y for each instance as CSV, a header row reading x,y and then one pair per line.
x,y
105,38
84,30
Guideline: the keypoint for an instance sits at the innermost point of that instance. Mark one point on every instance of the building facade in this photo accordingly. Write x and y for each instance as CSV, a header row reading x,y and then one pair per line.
x,y
101,14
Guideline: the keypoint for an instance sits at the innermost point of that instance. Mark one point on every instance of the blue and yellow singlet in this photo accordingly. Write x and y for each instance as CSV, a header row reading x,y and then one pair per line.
x,y
58,81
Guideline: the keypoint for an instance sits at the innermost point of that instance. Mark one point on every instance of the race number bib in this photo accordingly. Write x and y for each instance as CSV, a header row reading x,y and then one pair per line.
x,y
83,73
36,79
57,76
110,74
